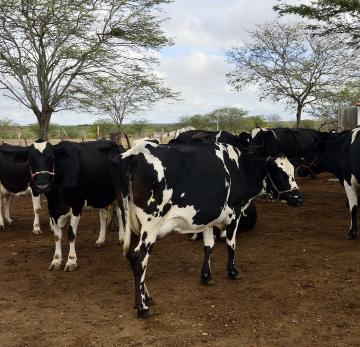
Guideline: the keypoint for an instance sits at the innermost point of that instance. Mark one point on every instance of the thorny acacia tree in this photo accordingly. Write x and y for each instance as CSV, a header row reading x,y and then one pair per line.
x,y
121,97
289,64
335,17
49,48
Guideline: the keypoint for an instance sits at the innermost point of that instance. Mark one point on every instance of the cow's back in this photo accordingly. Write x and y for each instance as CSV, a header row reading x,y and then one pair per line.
x,y
14,175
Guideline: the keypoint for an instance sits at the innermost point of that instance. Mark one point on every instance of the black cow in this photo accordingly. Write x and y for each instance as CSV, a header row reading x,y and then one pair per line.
x,y
338,154
72,175
241,142
15,179
294,143
190,188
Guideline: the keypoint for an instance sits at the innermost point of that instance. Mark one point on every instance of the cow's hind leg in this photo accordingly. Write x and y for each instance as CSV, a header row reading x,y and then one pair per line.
x,y
101,239
6,200
2,224
121,226
230,245
71,263
138,255
206,277
352,195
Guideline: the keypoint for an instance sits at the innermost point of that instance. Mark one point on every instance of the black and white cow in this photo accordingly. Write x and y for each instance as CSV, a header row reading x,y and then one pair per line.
x,y
15,180
338,154
72,175
241,141
190,188
294,143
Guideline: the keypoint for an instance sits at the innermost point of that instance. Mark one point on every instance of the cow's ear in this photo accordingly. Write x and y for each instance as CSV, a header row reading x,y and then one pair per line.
x,y
15,154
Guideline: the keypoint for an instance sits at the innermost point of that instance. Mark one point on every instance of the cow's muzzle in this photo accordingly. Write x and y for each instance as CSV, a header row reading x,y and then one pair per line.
x,y
293,198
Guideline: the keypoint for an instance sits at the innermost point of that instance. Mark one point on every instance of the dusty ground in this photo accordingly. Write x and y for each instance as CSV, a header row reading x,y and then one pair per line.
x,y
300,285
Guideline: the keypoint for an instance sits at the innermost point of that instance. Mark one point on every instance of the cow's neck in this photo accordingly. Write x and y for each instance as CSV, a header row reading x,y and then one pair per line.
x,y
332,157
255,174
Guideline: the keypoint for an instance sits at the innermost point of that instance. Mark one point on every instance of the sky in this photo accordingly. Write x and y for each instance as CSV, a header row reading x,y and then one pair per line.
x,y
196,65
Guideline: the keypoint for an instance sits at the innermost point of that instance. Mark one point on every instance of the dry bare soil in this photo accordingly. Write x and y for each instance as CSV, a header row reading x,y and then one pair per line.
x,y
300,285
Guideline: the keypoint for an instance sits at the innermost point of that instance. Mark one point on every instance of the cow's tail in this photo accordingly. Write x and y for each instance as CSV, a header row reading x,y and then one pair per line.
x,y
121,182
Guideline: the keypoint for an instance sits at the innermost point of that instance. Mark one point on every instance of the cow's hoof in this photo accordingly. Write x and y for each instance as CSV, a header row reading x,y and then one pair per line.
x,y
144,314
234,275
9,221
99,244
351,236
55,265
206,279
2,226
120,242
70,266
36,231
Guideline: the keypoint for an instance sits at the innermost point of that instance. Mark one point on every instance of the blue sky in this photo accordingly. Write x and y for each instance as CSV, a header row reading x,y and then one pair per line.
x,y
195,66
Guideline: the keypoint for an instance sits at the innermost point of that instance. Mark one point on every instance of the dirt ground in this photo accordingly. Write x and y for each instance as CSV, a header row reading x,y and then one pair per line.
x,y
300,285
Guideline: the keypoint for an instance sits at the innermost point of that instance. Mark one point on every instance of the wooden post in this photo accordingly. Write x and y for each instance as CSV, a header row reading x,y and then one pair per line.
x,y
358,112
84,136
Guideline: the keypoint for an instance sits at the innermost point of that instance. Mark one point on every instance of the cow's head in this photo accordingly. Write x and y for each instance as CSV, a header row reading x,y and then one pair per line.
x,y
264,142
312,163
41,159
280,181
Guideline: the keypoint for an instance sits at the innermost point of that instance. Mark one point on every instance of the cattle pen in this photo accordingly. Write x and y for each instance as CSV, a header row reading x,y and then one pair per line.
x,y
300,283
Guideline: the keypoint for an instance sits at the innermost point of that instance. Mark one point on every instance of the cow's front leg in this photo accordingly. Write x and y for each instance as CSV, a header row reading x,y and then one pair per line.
x,y
352,196
230,245
71,263
208,236
36,207
57,259
103,217
138,257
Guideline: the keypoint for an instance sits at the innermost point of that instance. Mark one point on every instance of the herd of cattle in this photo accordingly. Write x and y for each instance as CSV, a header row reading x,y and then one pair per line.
x,y
199,181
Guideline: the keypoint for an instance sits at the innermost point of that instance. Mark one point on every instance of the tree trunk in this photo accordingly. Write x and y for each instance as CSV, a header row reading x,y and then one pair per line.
x,y
298,115
44,122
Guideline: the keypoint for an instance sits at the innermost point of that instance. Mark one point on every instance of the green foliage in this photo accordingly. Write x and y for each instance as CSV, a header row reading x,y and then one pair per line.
x,y
231,119
335,16
106,126
308,124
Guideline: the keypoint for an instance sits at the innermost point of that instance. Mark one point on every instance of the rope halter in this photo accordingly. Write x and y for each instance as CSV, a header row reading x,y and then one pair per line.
x,y
309,167
34,174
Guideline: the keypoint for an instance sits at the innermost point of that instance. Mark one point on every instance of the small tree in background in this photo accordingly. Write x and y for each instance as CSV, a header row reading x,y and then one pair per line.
x,y
124,96
290,65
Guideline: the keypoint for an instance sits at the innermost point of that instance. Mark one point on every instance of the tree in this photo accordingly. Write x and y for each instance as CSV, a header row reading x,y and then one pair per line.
x,y
327,107
227,118
335,17
123,96
224,118
290,65
198,121
49,49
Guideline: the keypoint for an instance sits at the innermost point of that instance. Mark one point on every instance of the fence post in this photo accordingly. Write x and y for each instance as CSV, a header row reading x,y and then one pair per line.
x,y
358,112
